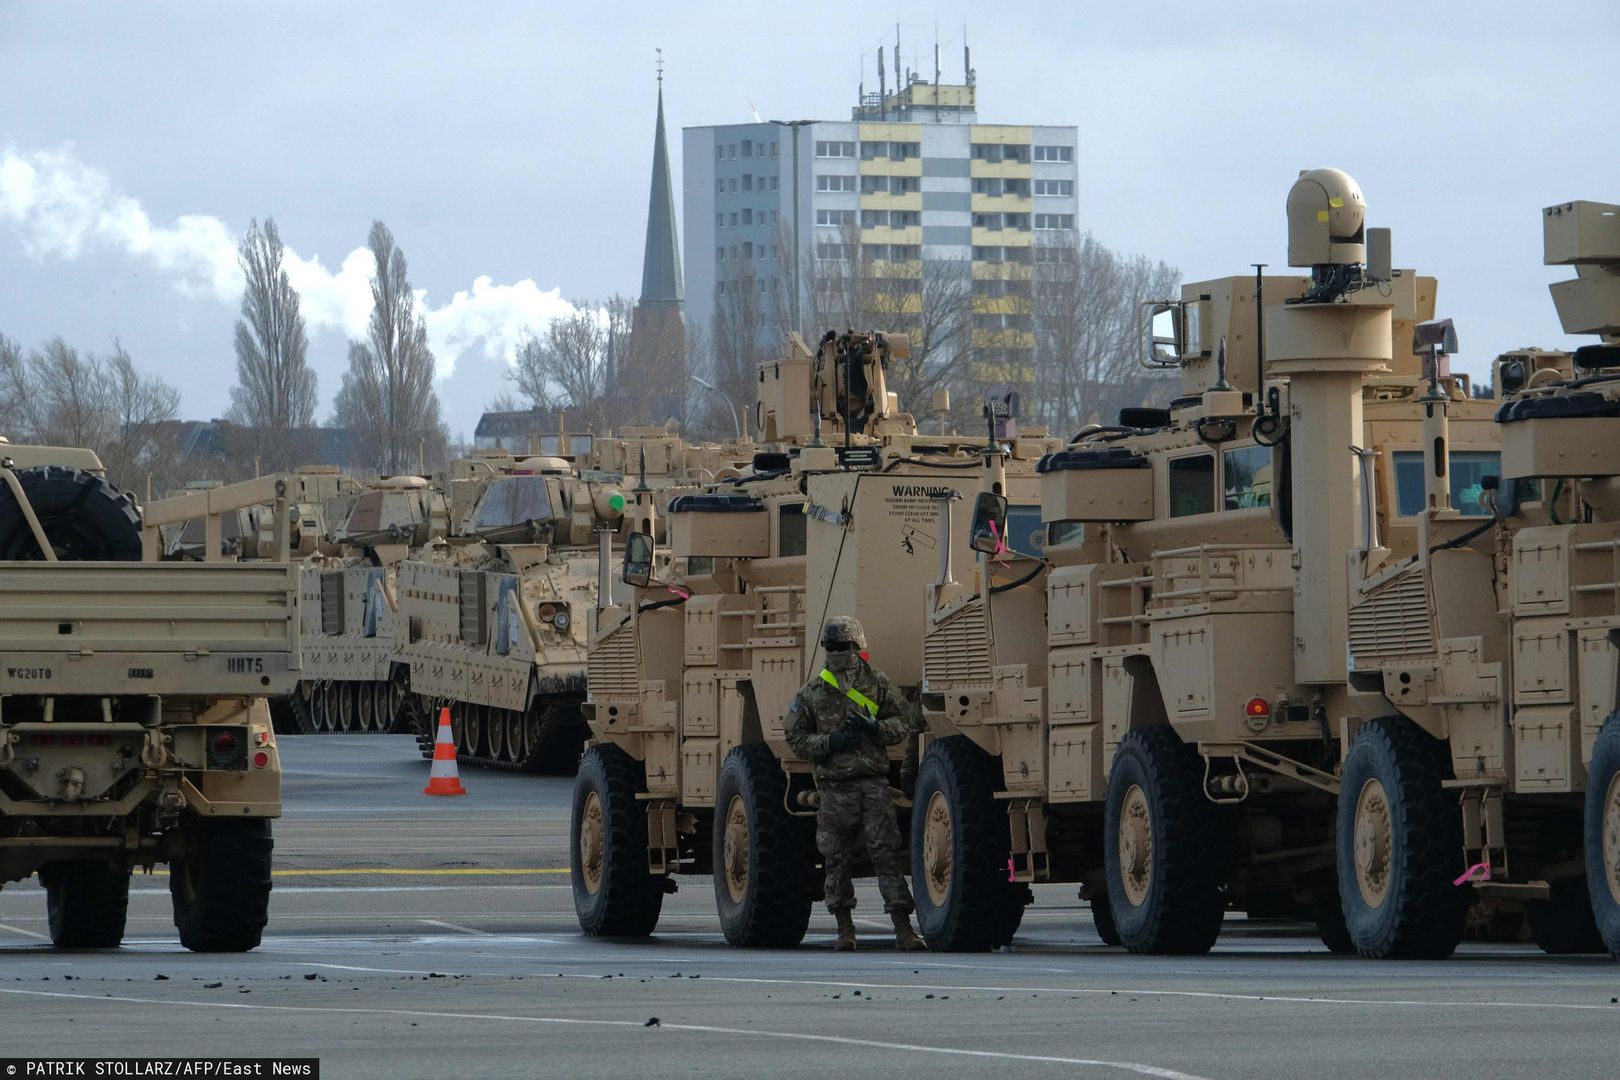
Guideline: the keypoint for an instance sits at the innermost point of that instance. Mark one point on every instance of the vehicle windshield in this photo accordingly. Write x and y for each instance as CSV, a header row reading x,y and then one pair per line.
x,y
1468,468
513,500
1025,533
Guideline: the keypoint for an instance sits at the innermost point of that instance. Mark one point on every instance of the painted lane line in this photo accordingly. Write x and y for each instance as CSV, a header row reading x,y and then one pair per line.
x,y
405,871
456,927
24,933
706,1029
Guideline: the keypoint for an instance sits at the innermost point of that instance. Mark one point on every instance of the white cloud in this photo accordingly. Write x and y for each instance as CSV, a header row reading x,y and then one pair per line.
x,y
61,208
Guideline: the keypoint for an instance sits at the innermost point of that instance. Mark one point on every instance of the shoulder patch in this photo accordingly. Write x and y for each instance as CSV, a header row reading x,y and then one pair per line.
x,y
794,706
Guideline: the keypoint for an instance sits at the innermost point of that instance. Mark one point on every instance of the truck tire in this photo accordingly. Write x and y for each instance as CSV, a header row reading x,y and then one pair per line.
x,y
1164,847
1103,916
960,848
221,891
1399,840
1563,924
87,903
614,895
763,855
1328,915
1602,833
83,516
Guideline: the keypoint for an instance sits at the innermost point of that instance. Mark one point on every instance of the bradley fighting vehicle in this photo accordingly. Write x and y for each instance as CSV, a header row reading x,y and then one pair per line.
x,y
693,660
134,727
1491,648
179,522
1163,713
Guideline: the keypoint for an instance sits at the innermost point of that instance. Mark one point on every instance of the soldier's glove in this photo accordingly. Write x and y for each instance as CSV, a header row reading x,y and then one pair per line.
x,y
845,738
861,720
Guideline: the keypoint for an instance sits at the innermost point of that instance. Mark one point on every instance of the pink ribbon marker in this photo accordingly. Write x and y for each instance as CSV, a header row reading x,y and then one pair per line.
x,y
1484,869
680,592
1001,545
1010,875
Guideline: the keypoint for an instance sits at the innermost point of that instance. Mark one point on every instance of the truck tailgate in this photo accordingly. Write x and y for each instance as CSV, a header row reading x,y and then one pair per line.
x,y
148,628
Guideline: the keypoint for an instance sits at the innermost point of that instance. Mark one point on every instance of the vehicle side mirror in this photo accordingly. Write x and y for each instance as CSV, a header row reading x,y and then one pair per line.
x,y
988,533
638,560
1168,340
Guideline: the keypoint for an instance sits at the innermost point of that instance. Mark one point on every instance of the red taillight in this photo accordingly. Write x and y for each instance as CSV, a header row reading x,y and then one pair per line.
x,y
224,743
261,759
1258,707
44,740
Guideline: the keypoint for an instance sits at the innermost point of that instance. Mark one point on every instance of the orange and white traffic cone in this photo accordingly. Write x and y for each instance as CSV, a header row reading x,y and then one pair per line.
x,y
444,779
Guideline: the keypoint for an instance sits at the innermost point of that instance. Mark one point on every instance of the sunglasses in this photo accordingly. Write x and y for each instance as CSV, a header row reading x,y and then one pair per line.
x,y
838,646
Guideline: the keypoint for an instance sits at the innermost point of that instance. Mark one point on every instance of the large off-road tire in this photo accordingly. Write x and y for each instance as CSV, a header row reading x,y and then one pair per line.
x,y
614,895
1328,914
1399,839
1563,924
1103,917
86,903
1164,847
1602,833
763,855
221,890
83,516
960,845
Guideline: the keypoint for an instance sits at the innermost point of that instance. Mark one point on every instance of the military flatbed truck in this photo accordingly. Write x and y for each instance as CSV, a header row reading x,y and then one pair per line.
x,y
134,727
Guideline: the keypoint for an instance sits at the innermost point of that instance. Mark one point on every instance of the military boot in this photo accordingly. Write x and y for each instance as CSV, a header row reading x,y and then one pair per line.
x,y
846,931
905,938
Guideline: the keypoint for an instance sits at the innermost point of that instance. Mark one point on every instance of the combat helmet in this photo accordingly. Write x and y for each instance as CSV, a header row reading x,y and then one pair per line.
x,y
844,628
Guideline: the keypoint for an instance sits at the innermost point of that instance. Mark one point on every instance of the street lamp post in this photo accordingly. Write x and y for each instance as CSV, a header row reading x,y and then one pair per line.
x,y
794,126
731,408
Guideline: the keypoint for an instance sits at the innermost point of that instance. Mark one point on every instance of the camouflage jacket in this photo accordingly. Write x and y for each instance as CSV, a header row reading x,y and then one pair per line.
x,y
819,709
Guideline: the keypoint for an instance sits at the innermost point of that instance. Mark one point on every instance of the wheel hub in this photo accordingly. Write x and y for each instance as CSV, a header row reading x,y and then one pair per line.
x,y
736,849
1136,845
590,843
1374,842
937,849
1611,837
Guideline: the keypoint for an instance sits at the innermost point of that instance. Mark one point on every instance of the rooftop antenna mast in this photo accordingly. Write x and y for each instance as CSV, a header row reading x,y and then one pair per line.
x,y
883,87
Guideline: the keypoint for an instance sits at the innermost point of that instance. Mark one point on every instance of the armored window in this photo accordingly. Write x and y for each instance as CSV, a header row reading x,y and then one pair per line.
x,y
1065,532
1192,485
1025,534
1467,467
698,565
790,530
513,500
1246,477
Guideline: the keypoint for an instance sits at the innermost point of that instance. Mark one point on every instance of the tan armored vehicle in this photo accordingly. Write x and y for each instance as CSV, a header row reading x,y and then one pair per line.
x,y
1165,721
1495,751
246,530
133,723
695,655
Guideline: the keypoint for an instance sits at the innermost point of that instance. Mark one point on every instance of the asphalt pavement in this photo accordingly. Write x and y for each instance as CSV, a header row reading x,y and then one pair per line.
x,y
421,937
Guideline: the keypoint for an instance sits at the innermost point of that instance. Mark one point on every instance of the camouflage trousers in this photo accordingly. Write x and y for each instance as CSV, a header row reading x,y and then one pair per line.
x,y
852,811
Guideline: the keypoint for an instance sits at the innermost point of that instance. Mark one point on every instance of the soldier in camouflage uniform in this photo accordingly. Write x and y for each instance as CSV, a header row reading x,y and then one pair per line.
x,y
840,721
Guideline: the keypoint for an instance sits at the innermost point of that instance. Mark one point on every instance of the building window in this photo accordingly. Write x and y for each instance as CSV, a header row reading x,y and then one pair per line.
x,y
720,187
773,217
987,151
902,219
874,219
719,254
987,221
987,186
835,149
748,181
748,251
832,252
774,149
1020,188
731,151
773,179
748,148
827,182
719,153
1054,222
1054,153
733,184
904,185
1015,221
1054,187
719,221
748,217
734,220
835,217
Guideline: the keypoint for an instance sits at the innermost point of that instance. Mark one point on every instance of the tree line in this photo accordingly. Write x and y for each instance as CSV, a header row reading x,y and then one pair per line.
x,y
59,394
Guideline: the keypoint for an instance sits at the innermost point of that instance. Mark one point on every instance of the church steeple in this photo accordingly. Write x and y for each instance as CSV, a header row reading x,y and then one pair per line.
x,y
661,264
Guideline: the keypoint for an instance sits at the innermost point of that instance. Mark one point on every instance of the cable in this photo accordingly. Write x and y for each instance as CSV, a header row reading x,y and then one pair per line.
x,y
1025,580
1459,541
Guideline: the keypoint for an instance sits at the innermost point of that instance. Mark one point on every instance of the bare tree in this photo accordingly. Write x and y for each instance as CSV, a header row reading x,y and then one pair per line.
x,y
1087,355
387,399
273,401
16,404
565,367
141,407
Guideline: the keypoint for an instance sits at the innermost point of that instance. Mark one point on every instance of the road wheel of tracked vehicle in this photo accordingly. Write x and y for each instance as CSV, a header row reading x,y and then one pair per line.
x,y
495,733
614,895
303,707
82,516
458,726
326,706
960,846
221,890
399,704
1399,840
86,903
1564,924
475,729
517,748
1164,847
763,855
348,709
1602,833
367,694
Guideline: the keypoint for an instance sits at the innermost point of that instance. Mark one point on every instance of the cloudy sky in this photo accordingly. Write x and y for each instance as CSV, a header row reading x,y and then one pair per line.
x,y
508,146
